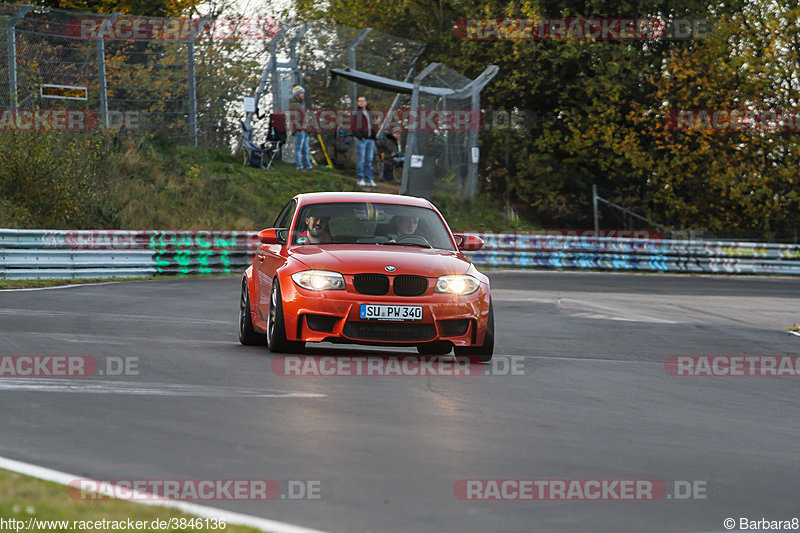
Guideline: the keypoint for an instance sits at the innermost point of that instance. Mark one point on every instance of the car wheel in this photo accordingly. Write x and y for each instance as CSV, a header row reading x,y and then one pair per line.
x,y
485,351
435,348
276,329
247,335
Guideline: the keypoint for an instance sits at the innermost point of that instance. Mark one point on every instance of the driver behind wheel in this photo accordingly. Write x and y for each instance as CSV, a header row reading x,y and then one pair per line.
x,y
402,225
317,231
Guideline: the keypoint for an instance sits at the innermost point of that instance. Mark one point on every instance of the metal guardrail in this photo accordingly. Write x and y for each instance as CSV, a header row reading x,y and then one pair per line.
x,y
65,254
648,255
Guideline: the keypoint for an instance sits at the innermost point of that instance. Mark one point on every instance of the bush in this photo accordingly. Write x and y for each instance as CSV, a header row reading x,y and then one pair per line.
x,y
52,180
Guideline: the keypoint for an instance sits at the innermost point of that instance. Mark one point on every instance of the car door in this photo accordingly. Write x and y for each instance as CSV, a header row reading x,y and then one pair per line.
x,y
269,258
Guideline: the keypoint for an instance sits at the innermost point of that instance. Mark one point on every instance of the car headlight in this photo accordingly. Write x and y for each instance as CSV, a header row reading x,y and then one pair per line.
x,y
457,284
319,280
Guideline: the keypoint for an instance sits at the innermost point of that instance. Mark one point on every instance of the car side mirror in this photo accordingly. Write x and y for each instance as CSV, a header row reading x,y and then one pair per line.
x,y
468,243
273,236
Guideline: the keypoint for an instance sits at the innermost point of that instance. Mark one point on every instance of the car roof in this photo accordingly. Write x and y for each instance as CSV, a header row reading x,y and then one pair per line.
x,y
325,197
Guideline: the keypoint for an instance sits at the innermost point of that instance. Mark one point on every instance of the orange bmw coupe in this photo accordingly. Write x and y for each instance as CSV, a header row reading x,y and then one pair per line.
x,y
366,268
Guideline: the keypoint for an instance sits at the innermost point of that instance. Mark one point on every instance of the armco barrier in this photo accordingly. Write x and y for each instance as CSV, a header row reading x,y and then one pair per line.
x,y
63,254
650,255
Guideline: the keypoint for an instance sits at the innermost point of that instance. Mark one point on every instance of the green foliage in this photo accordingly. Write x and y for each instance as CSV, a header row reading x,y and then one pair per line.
x,y
95,181
150,8
600,106
90,181
44,184
479,214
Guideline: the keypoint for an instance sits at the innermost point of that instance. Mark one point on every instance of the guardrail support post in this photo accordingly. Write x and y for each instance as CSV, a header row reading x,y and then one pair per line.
x,y
594,210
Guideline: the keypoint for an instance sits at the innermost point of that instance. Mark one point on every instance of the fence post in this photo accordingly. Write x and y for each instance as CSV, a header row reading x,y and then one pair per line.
x,y
101,66
473,157
352,53
12,54
475,87
192,79
411,141
298,77
411,72
594,210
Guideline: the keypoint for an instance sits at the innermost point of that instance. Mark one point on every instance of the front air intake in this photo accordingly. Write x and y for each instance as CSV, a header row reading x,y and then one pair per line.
x,y
389,332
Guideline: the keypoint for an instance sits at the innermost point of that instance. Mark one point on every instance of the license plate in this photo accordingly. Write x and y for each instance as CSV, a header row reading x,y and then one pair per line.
x,y
391,312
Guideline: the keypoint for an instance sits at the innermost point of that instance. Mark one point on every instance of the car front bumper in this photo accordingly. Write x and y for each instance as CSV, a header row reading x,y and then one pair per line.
x,y
334,316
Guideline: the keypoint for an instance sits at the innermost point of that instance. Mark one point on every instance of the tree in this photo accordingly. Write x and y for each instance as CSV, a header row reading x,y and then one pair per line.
x,y
600,107
149,8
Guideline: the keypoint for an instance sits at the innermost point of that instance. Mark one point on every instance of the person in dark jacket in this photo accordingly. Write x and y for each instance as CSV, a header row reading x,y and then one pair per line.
x,y
364,129
392,154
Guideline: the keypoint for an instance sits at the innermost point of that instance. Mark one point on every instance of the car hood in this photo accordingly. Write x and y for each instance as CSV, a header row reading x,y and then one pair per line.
x,y
354,259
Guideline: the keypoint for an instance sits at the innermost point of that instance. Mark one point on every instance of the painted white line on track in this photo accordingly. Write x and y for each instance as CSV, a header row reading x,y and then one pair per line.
x,y
110,338
70,286
137,388
587,309
203,511
116,317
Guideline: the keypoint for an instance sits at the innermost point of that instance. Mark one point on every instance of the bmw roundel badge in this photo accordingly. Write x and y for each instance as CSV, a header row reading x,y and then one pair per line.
x,y
390,268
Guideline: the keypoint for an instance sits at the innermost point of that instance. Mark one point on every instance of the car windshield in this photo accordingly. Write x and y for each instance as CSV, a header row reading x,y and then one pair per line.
x,y
371,223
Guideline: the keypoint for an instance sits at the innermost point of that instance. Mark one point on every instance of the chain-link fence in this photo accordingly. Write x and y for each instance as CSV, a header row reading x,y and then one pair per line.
x,y
387,71
186,78
304,54
68,70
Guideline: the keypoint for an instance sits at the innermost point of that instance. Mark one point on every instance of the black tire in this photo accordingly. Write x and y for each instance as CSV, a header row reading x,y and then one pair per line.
x,y
484,352
247,335
276,327
435,348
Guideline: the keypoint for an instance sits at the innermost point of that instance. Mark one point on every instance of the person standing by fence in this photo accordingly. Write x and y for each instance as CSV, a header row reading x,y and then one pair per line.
x,y
364,130
297,105
392,154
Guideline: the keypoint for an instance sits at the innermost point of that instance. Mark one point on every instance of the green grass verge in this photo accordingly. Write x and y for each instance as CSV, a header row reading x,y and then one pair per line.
x,y
23,497
89,181
478,214
94,181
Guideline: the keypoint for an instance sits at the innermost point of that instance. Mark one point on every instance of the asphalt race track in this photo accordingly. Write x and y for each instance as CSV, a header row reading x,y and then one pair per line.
x,y
593,401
